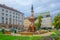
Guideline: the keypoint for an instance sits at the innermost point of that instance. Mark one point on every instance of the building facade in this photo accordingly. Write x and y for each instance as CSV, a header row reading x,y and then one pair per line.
x,y
10,18
26,23
46,20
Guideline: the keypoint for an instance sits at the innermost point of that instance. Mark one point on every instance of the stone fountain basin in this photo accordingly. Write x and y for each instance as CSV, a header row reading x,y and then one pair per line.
x,y
26,33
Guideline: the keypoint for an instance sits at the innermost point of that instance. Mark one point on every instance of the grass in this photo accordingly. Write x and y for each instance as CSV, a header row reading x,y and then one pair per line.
x,y
7,37
30,37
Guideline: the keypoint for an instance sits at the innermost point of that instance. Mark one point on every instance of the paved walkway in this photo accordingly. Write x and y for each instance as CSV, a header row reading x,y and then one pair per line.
x,y
45,34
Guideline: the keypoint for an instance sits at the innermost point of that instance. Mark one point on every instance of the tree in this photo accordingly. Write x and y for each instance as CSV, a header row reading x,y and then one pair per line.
x,y
38,24
57,22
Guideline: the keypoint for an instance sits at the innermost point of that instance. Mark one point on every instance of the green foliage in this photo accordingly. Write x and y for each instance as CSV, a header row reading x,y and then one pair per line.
x,y
3,31
57,22
7,37
36,38
24,37
53,35
0,32
38,24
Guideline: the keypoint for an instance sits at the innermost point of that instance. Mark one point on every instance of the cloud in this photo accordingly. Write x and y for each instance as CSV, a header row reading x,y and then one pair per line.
x,y
24,2
39,5
48,7
7,1
44,1
40,9
20,2
52,5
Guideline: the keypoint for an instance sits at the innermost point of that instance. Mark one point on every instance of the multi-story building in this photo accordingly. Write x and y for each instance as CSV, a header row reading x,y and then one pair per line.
x,y
46,20
10,18
26,23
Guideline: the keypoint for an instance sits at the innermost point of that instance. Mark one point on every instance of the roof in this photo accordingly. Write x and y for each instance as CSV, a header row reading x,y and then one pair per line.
x,y
4,6
45,13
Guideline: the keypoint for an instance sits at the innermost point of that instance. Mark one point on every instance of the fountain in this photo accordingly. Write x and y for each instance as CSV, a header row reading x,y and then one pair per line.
x,y
32,19
32,27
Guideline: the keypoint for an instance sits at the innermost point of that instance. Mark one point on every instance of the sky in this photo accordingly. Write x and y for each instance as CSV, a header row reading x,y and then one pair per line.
x,y
40,6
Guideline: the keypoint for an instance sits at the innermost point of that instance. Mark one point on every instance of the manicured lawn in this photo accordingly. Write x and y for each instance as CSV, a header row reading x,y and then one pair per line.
x,y
7,37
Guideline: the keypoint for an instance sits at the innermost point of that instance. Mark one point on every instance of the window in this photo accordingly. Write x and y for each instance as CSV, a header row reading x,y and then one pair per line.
x,y
16,13
13,16
16,16
47,15
2,13
6,22
2,19
16,20
13,13
6,10
2,9
10,15
10,11
44,16
6,14
13,21
6,18
9,20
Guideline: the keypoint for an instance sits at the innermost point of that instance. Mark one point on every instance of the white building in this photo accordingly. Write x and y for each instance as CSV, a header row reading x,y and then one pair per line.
x,y
46,20
26,23
10,18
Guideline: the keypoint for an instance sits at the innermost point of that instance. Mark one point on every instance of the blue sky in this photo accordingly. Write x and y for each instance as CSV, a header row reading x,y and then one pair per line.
x,y
39,6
